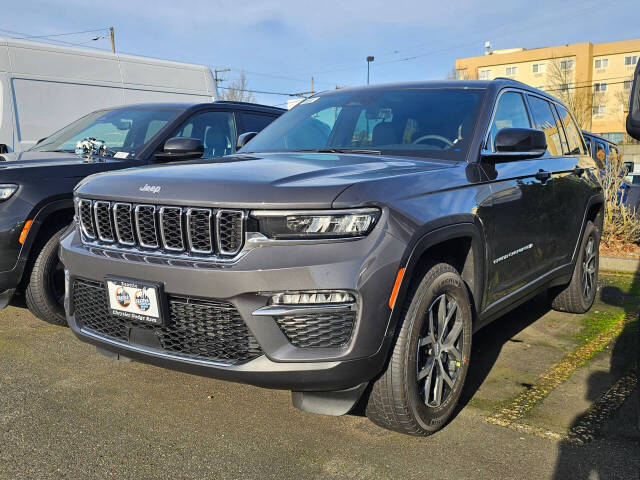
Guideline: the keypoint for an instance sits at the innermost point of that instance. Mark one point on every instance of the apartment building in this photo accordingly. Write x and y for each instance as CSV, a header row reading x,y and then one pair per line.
x,y
593,79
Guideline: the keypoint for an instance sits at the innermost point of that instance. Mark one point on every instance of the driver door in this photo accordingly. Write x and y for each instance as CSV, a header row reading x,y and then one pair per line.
x,y
518,229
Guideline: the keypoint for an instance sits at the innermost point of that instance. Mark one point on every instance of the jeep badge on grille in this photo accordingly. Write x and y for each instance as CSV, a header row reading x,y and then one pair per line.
x,y
150,188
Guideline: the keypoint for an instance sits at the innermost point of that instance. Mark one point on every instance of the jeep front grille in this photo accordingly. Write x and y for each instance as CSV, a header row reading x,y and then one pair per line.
x,y
169,229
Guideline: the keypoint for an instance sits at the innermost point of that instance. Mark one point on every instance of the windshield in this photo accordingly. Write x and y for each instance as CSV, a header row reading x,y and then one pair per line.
x,y
121,130
422,122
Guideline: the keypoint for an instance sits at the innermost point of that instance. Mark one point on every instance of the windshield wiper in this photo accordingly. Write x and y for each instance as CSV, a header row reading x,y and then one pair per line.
x,y
342,150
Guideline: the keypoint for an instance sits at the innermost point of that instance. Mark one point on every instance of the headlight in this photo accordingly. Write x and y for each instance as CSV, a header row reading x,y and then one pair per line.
x,y
6,190
295,225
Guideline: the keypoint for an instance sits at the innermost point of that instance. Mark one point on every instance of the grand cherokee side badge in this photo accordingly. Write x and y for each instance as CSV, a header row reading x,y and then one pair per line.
x,y
150,188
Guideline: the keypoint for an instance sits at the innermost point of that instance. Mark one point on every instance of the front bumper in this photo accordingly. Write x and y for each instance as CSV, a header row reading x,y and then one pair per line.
x,y
366,266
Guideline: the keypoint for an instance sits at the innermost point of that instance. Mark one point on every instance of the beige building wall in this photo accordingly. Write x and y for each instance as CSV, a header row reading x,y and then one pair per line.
x,y
568,70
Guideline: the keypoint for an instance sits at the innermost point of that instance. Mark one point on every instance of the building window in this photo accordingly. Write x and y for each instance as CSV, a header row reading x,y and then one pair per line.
x,y
631,60
602,63
566,64
511,71
565,87
484,74
599,87
599,109
615,137
627,84
538,67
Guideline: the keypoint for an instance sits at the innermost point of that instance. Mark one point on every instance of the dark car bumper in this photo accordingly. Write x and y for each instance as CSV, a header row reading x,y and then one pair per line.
x,y
366,267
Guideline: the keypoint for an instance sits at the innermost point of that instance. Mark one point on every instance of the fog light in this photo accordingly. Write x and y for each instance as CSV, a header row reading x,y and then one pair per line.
x,y
312,298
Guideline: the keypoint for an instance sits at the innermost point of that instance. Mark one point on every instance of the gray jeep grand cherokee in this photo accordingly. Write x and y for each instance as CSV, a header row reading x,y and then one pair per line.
x,y
349,251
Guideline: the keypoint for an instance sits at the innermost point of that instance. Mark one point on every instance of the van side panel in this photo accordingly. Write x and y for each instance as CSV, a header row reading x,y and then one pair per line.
x,y
79,66
6,112
47,86
45,106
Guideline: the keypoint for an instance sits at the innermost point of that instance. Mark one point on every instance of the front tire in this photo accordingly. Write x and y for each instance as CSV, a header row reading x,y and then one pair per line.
x,y
45,293
420,388
579,295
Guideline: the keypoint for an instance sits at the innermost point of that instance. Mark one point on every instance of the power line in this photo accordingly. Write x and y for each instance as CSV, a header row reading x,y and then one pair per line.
x,y
282,94
50,41
63,34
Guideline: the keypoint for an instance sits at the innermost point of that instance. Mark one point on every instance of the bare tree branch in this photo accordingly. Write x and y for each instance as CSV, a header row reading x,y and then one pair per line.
x,y
238,91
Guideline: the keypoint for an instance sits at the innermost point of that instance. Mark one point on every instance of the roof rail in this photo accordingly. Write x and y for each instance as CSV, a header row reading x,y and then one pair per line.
x,y
512,80
248,103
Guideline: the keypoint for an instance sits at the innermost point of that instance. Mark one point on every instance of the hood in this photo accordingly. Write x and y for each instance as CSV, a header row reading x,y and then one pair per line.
x,y
33,165
273,180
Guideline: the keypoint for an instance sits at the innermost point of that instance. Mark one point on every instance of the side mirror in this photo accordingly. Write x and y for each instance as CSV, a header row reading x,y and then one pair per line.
x,y
244,139
517,144
181,148
4,148
633,117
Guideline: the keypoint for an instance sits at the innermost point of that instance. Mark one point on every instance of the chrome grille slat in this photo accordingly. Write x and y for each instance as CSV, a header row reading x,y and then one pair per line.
x,y
123,223
199,230
171,228
85,216
145,222
181,231
103,221
229,231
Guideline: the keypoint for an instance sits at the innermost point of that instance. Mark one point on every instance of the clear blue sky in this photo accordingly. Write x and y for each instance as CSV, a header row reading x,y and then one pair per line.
x,y
280,45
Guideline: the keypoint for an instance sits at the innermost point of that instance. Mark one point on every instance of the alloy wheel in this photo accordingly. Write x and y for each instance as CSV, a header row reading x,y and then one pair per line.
x,y
439,354
589,267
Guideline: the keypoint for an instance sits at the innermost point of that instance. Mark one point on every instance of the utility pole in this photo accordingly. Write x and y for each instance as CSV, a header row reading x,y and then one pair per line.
x,y
217,79
113,40
369,60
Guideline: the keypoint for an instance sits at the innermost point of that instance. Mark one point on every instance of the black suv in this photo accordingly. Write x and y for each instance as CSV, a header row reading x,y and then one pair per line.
x,y
349,251
36,186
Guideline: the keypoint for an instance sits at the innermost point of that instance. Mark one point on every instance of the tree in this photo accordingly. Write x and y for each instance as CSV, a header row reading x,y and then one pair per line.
x,y
579,99
237,91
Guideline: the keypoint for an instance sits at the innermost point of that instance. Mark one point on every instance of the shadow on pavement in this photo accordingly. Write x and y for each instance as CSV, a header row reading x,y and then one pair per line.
x,y
599,456
488,343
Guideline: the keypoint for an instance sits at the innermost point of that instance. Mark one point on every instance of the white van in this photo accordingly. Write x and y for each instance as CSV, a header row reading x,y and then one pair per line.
x,y
45,87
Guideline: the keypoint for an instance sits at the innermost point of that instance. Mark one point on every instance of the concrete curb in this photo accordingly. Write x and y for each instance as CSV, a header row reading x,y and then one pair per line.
x,y
620,265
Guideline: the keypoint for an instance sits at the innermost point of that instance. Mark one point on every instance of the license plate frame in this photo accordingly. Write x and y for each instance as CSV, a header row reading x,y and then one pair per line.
x,y
136,300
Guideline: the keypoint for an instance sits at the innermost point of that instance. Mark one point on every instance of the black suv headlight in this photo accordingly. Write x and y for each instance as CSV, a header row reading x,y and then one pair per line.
x,y
6,190
316,224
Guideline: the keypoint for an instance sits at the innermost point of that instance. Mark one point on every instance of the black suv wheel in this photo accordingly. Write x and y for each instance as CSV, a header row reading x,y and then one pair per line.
x,y
45,292
422,383
579,295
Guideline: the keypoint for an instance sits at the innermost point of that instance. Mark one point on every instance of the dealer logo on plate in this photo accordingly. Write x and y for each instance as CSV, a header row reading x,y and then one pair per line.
x,y
122,297
142,301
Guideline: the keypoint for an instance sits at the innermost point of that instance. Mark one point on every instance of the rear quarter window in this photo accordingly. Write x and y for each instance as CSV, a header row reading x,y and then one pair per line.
x,y
574,138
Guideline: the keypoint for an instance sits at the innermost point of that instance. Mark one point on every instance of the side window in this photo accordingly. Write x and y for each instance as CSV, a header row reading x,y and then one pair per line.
x,y
613,153
255,122
217,130
587,141
510,113
574,138
544,120
600,155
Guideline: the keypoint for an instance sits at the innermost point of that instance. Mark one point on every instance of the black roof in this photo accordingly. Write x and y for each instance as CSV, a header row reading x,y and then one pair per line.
x,y
495,84
187,105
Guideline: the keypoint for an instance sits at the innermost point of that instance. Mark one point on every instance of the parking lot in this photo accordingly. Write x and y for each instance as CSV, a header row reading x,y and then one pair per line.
x,y
551,396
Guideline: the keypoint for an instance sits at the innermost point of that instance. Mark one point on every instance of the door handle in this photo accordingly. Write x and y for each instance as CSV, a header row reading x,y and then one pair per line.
x,y
543,175
578,171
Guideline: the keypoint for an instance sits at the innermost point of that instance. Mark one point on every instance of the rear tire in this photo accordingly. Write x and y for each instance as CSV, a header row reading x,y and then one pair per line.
x,y
45,293
579,295
420,388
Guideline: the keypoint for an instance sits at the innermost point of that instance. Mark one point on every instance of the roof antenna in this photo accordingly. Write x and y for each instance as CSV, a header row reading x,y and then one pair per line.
x,y
487,47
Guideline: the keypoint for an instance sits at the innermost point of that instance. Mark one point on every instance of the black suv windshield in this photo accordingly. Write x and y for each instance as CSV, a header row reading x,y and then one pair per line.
x,y
122,130
421,122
